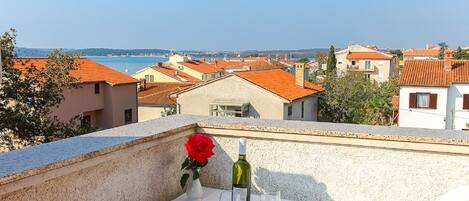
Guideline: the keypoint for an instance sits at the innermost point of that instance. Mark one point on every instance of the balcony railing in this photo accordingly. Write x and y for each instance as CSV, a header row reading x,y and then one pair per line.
x,y
303,160
360,68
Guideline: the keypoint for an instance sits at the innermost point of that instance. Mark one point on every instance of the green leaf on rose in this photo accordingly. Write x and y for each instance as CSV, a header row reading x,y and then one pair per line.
x,y
195,174
183,180
185,163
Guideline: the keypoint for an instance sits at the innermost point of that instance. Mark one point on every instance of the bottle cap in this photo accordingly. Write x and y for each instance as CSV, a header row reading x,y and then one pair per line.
x,y
242,146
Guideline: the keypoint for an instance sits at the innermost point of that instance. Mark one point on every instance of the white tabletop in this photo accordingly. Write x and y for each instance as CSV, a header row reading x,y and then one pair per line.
x,y
212,194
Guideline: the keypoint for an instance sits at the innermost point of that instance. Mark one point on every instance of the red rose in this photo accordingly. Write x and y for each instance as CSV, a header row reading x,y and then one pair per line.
x,y
199,147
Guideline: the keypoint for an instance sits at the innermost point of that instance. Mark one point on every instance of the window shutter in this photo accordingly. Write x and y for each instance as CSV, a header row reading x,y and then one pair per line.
x,y
412,100
465,104
433,100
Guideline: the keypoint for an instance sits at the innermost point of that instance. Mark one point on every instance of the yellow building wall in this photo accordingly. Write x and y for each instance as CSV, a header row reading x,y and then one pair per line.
x,y
159,77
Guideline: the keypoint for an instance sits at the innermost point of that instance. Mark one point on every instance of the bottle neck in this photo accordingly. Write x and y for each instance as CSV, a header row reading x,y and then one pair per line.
x,y
242,157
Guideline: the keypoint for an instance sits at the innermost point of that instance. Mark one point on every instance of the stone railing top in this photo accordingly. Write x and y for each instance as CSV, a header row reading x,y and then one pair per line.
x,y
34,160
341,130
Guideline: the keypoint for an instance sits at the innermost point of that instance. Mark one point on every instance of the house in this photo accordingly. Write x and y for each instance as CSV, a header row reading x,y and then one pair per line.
x,y
154,100
200,70
266,94
435,94
242,64
104,99
420,54
376,65
163,74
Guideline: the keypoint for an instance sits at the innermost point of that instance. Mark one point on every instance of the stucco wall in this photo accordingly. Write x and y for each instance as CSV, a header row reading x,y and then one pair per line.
x,y
197,100
148,112
457,116
418,117
74,101
147,175
158,77
318,171
117,100
310,109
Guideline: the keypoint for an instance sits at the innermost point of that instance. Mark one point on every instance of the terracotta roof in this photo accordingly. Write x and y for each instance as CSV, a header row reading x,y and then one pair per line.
x,y
432,73
257,64
87,70
158,93
171,72
280,82
200,66
368,55
421,52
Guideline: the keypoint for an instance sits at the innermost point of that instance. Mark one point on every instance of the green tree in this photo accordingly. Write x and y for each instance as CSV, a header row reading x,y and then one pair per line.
x,y
331,62
398,53
354,99
441,53
27,97
304,60
460,54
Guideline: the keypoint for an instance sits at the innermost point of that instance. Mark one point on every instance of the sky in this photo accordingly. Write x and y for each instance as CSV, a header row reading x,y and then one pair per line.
x,y
235,25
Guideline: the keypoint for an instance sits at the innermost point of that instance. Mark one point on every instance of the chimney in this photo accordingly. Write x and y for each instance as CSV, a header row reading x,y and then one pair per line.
x,y
143,85
160,64
216,63
300,74
447,60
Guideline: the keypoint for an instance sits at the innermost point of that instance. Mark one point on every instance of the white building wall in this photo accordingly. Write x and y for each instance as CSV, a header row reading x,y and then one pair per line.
x,y
455,107
149,112
422,118
310,109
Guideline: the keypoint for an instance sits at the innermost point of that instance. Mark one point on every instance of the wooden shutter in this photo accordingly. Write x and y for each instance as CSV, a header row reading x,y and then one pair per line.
x,y
465,102
412,100
433,101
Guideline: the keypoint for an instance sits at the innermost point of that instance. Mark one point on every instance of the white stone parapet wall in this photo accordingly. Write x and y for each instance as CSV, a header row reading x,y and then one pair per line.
x,y
304,160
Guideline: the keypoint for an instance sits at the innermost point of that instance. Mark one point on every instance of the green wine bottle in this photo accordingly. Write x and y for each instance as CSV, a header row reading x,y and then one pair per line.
x,y
241,190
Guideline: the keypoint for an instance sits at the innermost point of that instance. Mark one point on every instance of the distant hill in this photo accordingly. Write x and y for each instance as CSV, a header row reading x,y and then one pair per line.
x,y
31,52
293,54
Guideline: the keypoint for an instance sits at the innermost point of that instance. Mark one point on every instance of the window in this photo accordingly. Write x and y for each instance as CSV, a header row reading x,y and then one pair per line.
x,y
152,78
339,62
96,88
86,121
204,77
302,109
354,62
423,100
128,116
367,64
367,76
229,110
290,110
465,102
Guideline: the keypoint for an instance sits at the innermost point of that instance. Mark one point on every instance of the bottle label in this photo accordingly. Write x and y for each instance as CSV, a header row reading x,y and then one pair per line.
x,y
239,194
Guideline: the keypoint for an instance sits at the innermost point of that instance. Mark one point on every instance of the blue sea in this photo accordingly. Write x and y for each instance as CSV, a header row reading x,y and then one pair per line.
x,y
127,65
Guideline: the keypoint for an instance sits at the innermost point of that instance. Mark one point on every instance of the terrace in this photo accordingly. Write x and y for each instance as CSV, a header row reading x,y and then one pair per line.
x,y
304,160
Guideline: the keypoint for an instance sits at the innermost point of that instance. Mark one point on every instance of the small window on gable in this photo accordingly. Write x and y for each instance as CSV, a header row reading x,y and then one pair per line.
x,y
96,88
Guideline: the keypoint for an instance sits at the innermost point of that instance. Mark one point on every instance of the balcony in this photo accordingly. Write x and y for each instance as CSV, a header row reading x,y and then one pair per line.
x,y
361,68
304,160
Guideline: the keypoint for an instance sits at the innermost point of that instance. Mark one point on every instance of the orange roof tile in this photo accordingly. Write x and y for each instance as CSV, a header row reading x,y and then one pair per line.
x,y
171,72
158,93
280,82
421,52
432,73
199,66
257,64
87,70
368,55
